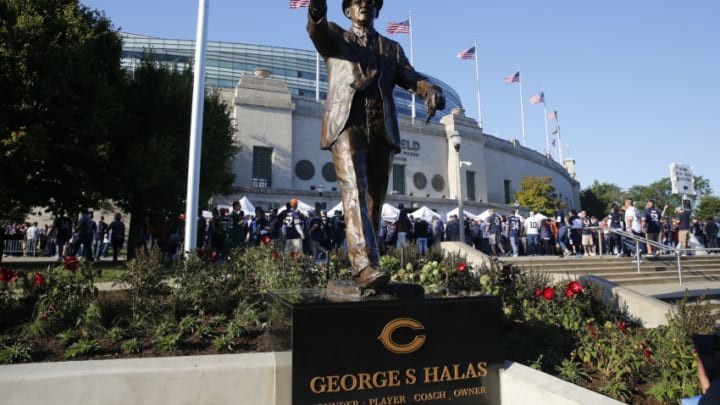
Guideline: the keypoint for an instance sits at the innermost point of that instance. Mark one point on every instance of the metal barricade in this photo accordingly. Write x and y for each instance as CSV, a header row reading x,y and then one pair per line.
x,y
19,247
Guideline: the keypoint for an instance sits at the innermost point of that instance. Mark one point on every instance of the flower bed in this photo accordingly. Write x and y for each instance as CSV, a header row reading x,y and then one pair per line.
x,y
219,307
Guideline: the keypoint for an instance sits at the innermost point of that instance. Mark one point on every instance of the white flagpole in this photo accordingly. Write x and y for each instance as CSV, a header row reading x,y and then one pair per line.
x,y
477,78
196,125
522,108
317,76
547,135
412,61
557,120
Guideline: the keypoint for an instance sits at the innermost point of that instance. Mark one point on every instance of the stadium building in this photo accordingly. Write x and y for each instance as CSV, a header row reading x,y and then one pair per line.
x,y
277,105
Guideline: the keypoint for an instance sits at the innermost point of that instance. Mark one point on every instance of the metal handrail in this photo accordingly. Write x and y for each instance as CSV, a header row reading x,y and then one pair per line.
x,y
639,239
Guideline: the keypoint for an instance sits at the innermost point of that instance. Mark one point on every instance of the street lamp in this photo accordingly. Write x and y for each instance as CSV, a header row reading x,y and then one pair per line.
x,y
456,139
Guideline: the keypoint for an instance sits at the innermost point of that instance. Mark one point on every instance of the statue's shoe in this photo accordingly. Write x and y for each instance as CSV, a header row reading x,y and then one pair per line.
x,y
372,277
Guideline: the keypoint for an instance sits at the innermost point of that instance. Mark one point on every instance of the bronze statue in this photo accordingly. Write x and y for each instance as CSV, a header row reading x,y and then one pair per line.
x,y
360,125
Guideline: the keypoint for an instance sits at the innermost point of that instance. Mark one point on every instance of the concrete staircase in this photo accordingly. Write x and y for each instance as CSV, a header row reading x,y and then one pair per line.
x,y
624,272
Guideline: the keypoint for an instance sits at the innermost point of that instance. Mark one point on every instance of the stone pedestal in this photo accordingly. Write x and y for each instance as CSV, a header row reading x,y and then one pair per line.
x,y
389,351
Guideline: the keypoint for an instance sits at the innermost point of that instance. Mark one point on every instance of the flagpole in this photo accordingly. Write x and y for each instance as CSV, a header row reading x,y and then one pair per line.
x,y
412,61
547,135
557,119
477,78
522,109
196,125
317,76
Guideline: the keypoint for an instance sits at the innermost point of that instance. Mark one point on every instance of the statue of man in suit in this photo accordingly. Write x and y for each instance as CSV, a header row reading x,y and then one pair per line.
x,y
360,125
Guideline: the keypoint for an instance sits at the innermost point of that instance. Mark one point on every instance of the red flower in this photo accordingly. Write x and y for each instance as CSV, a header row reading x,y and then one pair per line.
x,y
569,293
214,256
592,331
38,279
461,267
537,292
575,287
275,255
294,254
71,263
623,327
265,240
7,275
548,293
646,352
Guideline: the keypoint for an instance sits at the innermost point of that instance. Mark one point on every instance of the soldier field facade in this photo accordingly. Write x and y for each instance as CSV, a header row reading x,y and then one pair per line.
x,y
277,109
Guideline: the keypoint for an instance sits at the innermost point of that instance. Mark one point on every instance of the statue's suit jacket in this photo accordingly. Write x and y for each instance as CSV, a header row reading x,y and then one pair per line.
x,y
339,48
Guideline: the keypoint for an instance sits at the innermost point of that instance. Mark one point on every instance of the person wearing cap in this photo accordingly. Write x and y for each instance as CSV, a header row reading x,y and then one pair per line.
x,y
292,228
683,222
359,124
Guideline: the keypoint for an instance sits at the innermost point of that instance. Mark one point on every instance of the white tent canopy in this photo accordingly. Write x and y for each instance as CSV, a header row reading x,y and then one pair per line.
x,y
338,207
303,207
455,212
425,213
389,213
484,215
247,207
539,216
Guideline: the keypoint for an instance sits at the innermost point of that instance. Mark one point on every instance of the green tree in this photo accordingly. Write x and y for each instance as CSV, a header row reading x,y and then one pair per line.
x,y
537,193
151,146
709,206
59,69
661,192
599,197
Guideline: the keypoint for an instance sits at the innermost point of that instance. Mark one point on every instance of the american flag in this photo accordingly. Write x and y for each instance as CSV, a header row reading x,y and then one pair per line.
x,y
538,98
467,54
299,3
399,27
552,115
553,141
555,131
513,78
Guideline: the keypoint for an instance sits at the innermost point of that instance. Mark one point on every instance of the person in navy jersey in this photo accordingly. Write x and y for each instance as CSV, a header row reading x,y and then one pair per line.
x,y
615,222
683,224
576,227
650,222
513,233
587,234
493,227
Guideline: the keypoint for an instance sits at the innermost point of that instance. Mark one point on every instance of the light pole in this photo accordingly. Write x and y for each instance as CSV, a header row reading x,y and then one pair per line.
x,y
456,139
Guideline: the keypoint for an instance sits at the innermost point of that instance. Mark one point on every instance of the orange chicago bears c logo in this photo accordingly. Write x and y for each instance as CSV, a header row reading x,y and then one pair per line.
x,y
387,339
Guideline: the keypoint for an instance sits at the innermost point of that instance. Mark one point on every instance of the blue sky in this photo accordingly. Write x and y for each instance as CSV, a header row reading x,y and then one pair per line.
x,y
636,83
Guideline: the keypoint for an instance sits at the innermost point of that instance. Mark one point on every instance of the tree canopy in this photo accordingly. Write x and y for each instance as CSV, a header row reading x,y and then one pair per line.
x,y
150,148
537,193
59,71
76,130
599,197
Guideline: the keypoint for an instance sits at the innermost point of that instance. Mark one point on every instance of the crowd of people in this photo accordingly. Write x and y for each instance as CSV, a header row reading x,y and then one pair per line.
x,y
315,233
84,237
572,233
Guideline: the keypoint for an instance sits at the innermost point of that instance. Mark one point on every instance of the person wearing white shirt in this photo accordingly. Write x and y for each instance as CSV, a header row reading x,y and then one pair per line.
x,y
633,223
532,227
31,234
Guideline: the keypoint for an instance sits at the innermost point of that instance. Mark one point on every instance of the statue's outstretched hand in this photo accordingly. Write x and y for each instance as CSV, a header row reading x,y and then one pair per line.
x,y
434,101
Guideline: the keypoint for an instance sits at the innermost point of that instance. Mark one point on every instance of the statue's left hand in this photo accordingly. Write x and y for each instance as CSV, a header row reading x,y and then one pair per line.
x,y
434,101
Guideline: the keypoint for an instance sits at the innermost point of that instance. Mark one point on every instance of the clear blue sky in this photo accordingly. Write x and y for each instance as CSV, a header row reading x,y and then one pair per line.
x,y
636,83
